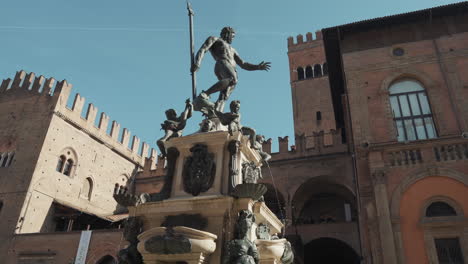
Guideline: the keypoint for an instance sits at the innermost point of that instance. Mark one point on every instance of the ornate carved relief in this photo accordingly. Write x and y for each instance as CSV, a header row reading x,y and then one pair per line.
x,y
251,173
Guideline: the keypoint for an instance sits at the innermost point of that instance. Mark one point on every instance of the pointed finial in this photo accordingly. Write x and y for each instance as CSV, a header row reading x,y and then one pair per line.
x,y
189,9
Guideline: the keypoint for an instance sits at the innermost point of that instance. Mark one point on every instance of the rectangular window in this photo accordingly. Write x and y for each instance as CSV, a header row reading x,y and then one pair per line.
x,y
448,251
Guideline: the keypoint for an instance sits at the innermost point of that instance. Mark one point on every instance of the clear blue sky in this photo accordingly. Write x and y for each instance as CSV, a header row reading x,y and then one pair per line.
x,y
131,58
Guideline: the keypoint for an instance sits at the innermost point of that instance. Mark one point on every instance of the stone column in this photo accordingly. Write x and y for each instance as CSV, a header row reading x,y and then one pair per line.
x,y
383,217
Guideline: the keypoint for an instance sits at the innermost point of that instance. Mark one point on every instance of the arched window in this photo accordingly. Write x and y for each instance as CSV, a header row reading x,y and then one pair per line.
x,y
436,209
439,218
87,190
325,68
317,70
300,73
60,163
411,111
308,72
66,162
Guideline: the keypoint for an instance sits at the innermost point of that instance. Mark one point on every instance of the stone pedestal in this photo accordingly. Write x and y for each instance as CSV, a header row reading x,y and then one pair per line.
x,y
195,229
229,153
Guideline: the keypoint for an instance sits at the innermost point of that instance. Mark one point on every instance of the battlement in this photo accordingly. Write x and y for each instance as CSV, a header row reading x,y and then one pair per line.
x,y
318,143
27,84
309,39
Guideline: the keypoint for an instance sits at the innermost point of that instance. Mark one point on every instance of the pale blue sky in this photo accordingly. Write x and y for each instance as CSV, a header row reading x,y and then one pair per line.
x,y
131,58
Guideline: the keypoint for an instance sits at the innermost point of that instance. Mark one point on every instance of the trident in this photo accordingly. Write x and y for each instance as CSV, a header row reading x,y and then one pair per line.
x,y
192,50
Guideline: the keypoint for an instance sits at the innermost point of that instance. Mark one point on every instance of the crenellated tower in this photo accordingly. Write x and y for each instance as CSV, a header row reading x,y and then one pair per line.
x,y
312,101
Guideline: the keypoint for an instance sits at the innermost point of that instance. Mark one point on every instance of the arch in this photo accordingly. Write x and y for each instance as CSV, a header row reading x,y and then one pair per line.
x,y
68,166
321,187
87,189
70,152
411,110
417,175
457,209
418,233
274,203
317,70
309,73
330,250
440,209
107,259
431,86
96,253
300,73
423,78
325,68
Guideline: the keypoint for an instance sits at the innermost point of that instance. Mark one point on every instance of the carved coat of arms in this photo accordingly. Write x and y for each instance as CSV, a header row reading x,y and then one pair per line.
x,y
199,170
251,173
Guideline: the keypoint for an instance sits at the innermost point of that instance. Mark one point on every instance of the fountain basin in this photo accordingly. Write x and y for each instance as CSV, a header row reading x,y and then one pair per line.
x,y
176,240
270,249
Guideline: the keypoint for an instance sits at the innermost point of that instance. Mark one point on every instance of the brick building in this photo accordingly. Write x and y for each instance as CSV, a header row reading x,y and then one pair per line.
x,y
58,170
378,172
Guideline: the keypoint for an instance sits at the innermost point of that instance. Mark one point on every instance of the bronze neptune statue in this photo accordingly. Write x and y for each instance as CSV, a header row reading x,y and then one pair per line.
x,y
226,58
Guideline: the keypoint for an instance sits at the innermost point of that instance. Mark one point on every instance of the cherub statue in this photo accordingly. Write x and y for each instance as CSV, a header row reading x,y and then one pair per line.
x,y
259,139
174,125
227,59
232,121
